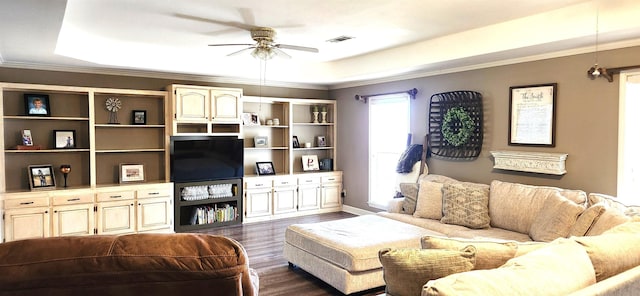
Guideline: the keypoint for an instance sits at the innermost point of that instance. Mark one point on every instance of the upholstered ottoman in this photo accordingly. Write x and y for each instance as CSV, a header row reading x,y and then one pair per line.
x,y
344,253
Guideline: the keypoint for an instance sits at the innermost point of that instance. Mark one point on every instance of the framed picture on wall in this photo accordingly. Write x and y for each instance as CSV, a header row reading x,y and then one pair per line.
x,y
532,114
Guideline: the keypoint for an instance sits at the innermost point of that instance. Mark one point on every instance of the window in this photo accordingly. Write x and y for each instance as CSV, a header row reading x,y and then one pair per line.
x,y
389,118
628,139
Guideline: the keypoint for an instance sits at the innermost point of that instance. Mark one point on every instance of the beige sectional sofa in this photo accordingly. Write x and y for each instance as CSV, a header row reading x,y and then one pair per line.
x,y
504,223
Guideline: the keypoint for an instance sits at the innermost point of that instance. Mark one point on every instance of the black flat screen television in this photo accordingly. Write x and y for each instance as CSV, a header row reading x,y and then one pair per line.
x,y
206,158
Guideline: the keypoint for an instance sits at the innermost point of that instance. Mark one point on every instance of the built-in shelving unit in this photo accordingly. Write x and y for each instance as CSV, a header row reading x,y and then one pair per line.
x,y
199,205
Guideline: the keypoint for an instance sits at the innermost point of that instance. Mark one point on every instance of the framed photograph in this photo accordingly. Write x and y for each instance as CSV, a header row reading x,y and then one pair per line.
x,y
532,114
296,143
37,105
131,173
27,140
41,177
139,117
264,168
64,139
310,163
260,141
321,141
250,119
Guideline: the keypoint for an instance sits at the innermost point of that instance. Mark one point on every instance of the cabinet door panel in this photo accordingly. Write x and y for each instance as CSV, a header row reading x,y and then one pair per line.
x,y
331,195
154,213
116,217
225,107
73,220
284,200
258,203
27,223
192,104
308,198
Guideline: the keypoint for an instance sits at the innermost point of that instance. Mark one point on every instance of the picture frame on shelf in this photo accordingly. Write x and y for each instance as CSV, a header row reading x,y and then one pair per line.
x,y
64,139
41,177
296,142
321,141
37,105
310,163
250,118
265,168
532,115
261,141
131,173
27,140
139,117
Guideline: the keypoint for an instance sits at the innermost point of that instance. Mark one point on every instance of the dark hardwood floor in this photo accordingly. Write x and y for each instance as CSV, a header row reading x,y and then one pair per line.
x,y
264,242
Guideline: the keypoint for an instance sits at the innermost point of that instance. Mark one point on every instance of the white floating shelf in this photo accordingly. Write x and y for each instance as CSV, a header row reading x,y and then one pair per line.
x,y
535,162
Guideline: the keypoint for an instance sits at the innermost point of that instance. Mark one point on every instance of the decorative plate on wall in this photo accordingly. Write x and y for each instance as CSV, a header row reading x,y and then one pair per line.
x,y
455,124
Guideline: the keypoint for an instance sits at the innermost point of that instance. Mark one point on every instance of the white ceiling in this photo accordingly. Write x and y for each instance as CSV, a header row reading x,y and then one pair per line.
x,y
392,37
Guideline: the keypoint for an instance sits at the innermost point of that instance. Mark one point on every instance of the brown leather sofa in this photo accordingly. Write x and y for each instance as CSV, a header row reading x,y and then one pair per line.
x,y
137,264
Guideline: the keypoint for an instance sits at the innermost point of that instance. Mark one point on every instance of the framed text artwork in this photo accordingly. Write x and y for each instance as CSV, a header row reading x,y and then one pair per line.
x,y
532,115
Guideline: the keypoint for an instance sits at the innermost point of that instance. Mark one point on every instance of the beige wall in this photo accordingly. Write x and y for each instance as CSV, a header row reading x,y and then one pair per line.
x,y
586,125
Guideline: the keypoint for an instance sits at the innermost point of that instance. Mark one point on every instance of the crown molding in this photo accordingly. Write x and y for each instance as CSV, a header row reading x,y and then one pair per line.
x,y
159,75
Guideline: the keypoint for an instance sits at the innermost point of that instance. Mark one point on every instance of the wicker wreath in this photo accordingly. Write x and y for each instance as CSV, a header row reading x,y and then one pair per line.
x,y
458,119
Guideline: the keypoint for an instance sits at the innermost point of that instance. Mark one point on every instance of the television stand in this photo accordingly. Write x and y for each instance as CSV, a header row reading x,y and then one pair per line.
x,y
207,204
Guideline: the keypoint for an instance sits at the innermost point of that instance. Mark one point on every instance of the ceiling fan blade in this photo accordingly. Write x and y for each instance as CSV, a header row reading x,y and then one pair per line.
x,y
224,23
296,47
235,53
232,44
280,53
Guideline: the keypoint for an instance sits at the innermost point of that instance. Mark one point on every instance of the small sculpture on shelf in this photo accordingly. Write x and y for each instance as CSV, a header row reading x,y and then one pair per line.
x,y
113,105
65,169
323,111
314,110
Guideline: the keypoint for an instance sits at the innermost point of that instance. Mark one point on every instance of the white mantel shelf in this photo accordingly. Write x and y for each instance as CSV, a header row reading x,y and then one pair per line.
x,y
535,162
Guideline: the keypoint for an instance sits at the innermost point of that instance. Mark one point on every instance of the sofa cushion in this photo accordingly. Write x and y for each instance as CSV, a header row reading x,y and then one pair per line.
x,y
555,219
429,204
611,253
489,254
514,206
435,226
489,233
465,205
557,269
610,218
406,270
410,193
627,227
612,202
586,219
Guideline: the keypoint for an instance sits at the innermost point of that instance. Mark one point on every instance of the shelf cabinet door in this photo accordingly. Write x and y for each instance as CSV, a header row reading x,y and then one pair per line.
x,y
284,200
73,220
257,202
331,195
192,105
154,214
27,223
116,217
225,106
308,197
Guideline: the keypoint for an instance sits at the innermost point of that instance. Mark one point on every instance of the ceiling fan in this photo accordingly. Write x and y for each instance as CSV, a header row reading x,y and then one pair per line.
x,y
265,48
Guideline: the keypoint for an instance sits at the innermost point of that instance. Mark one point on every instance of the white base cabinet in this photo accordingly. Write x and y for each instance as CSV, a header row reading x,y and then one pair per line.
x,y
106,210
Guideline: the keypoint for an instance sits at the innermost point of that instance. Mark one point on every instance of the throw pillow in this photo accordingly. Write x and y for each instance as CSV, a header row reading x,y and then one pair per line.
x,y
612,202
608,219
489,254
557,269
611,253
410,193
555,219
586,219
429,203
405,271
465,205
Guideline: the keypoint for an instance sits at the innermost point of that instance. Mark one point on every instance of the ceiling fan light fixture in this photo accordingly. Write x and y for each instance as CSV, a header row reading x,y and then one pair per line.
x,y
263,53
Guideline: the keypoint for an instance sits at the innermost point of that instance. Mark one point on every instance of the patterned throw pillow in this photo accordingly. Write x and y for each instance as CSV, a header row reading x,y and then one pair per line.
x,y
465,205
405,271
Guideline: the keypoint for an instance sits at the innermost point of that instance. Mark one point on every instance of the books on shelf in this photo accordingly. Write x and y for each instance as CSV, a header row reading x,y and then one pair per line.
x,y
208,214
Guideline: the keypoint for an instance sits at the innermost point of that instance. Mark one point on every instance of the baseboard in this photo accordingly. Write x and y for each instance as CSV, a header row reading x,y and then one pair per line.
x,y
355,211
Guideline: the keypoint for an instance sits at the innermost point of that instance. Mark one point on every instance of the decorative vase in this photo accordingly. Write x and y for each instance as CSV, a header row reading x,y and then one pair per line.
x,y
324,116
315,116
65,169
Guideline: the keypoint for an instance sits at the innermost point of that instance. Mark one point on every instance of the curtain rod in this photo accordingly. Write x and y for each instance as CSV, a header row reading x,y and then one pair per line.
x,y
364,98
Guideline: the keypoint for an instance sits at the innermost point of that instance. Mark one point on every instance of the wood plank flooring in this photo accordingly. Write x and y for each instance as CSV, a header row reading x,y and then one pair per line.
x,y
264,242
